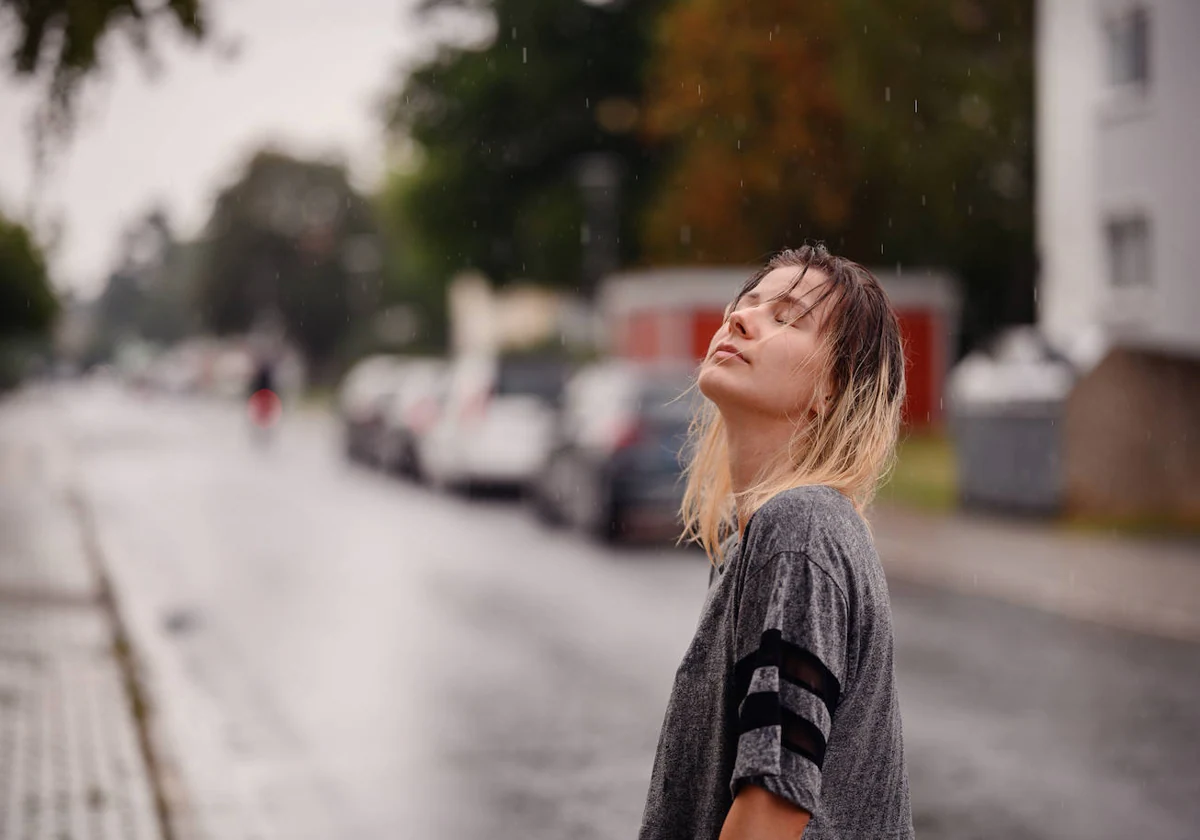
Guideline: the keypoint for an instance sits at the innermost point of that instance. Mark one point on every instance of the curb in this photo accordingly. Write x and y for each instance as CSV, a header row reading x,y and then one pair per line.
x,y
126,660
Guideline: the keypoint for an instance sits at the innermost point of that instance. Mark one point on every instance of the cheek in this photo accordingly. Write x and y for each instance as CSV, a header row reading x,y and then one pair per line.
x,y
797,373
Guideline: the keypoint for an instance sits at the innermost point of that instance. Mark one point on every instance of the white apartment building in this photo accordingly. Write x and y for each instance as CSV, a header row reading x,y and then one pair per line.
x,y
1118,206
1118,223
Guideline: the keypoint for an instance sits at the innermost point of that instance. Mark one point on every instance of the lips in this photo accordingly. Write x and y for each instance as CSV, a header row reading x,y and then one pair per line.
x,y
726,351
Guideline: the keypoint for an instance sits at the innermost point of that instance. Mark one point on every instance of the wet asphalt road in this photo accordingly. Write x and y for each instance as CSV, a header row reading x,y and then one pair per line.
x,y
339,654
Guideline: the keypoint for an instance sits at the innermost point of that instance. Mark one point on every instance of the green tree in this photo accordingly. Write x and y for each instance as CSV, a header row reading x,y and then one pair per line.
x,y
292,240
149,294
27,302
503,130
899,131
62,39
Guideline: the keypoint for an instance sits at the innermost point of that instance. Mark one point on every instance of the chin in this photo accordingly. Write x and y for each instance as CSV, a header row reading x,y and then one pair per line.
x,y
720,385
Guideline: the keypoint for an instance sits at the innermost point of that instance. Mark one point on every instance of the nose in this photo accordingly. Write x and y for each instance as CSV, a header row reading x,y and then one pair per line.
x,y
738,325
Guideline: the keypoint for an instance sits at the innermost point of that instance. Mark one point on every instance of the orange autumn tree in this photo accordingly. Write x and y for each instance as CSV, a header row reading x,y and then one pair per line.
x,y
898,131
745,94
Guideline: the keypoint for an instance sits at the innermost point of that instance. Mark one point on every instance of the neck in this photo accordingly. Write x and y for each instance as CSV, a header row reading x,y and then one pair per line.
x,y
753,447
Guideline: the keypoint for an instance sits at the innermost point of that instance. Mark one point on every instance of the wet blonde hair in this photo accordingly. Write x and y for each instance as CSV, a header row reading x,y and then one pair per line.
x,y
849,447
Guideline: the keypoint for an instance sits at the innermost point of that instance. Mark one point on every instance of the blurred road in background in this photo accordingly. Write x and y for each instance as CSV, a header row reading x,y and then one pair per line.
x,y
336,654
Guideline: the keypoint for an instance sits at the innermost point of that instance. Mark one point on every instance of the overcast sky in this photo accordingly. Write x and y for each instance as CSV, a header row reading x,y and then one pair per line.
x,y
306,75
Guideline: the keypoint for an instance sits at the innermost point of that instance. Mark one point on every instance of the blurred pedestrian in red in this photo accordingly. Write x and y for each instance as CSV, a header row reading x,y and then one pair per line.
x,y
264,404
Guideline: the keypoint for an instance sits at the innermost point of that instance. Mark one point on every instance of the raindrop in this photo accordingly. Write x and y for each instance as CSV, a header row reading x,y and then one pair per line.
x,y
881,248
739,145
914,106
887,94
514,31
587,102
524,55
698,93
922,199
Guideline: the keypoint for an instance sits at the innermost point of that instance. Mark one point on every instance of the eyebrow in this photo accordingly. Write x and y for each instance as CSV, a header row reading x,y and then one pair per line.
x,y
754,297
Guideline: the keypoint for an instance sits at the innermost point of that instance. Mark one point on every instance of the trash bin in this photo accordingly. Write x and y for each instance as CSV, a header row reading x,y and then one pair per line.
x,y
1006,408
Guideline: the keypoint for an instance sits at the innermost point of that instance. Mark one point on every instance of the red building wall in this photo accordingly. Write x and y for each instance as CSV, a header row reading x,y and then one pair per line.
x,y
647,335
923,338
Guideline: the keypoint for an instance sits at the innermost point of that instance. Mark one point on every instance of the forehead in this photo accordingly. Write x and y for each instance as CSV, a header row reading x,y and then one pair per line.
x,y
783,281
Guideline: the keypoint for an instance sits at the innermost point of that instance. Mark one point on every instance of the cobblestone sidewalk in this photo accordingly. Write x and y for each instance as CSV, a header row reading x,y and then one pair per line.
x,y
70,761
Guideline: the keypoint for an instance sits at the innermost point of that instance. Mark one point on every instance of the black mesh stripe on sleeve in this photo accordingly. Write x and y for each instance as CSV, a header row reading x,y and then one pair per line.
x,y
796,665
798,735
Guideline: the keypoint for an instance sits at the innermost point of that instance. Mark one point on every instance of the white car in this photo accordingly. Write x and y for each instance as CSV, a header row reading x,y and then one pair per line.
x,y
361,399
497,422
410,414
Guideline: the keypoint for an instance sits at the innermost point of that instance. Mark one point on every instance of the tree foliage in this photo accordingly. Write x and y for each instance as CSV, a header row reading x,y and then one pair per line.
x,y
501,131
149,294
62,39
900,131
27,301
292,240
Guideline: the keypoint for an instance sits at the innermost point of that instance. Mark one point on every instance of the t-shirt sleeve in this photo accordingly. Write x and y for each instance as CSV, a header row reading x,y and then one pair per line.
x,y
791,650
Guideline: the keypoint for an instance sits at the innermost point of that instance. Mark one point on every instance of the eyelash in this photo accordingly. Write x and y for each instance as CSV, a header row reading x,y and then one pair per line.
x,y
788,318
780,316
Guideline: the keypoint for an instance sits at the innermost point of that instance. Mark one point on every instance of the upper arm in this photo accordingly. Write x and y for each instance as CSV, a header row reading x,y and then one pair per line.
x,y
791,641
758,814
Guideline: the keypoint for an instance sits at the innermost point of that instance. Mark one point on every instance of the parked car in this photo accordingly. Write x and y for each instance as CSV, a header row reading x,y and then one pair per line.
x,y
410,414
496,425
364,393
615,468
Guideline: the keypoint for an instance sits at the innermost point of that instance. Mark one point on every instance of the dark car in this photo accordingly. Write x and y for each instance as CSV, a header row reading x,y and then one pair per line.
x,y
614,471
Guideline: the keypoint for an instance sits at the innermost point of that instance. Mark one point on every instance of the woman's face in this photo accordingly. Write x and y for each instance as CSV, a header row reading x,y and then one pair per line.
x,y
767,359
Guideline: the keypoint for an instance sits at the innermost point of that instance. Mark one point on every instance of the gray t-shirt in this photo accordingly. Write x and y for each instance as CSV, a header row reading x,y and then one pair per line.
x,y
788,684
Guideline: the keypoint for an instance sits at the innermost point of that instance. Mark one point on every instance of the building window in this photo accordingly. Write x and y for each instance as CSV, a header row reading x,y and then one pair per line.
x,y
1129,252
1129,48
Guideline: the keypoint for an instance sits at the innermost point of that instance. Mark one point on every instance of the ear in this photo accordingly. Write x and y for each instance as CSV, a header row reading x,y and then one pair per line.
x,y
824,397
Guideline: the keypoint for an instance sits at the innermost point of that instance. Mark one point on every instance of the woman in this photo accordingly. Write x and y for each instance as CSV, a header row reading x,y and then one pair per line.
x,y
783,719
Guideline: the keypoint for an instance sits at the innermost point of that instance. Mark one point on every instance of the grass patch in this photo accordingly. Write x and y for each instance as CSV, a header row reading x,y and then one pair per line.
x,y
924,476
319,397
1154,526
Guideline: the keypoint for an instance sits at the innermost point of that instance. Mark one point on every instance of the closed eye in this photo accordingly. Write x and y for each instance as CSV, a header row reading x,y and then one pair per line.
x,y
790,315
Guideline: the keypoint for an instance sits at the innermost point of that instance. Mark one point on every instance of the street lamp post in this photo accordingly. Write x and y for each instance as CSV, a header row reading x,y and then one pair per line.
x,y
599,176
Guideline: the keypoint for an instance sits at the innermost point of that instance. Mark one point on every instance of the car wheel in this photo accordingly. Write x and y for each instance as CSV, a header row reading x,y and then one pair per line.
x,y
595,509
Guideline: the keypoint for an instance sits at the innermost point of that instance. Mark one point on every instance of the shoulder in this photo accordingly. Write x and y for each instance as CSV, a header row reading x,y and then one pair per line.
x,y
794,518
816,521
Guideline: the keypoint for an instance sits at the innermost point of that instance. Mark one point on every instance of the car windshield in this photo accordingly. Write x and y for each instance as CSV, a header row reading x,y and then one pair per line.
x,y
539,378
